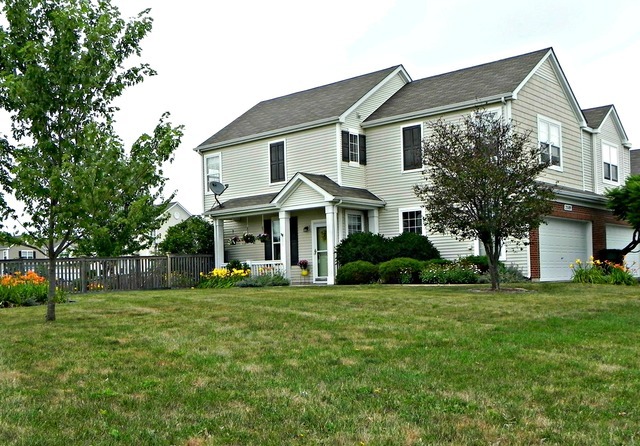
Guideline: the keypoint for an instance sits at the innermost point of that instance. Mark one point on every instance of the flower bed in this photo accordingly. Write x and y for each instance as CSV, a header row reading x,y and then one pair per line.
x,y
20,289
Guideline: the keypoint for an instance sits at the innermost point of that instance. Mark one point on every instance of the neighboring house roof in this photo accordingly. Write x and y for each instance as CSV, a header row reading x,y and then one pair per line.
x,y
310,107
329,189
173,204
635,161
490,81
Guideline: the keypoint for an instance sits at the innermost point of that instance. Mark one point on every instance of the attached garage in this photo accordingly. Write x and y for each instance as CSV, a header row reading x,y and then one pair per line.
x,y
617,238
561,243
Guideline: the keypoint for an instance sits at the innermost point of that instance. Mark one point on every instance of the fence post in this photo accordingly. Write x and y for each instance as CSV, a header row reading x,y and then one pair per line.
x,y
169,284
83,275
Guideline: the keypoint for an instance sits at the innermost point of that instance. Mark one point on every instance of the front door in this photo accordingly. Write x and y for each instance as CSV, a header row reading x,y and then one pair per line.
x,y
320,253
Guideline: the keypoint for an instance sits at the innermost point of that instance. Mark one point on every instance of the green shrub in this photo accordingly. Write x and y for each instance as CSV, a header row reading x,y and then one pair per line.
x,y
222,277
357,272
362,246
264,280
401,270
412,245
237,264
511,274
455,273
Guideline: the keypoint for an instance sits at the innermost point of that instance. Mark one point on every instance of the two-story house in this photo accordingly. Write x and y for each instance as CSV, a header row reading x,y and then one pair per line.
x,y
312,167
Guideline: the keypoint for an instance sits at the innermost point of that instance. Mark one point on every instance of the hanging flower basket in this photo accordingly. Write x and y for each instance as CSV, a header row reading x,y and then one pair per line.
x,y
303,264
248,237
234,240
262,237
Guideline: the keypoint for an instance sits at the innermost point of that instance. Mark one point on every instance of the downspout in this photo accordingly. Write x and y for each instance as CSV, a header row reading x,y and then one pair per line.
x,y
339,152
584,184
595,162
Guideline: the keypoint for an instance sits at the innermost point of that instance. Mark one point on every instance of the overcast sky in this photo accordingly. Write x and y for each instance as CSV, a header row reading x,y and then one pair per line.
x,y
216,59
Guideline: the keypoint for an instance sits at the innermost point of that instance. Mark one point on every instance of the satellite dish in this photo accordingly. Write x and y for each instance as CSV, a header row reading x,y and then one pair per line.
x,y
217,188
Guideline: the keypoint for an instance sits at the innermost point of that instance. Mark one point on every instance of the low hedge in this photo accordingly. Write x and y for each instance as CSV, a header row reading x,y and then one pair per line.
x,y
356,273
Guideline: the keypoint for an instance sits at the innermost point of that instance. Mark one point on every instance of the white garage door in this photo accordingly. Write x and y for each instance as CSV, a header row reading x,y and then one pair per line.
x,y
561,243
617,238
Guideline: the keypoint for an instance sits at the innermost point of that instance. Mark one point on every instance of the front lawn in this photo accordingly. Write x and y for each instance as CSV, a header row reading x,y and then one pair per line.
x,y
357,366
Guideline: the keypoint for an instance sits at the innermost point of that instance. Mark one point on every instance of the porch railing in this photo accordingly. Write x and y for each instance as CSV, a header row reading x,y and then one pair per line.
x,y
264,267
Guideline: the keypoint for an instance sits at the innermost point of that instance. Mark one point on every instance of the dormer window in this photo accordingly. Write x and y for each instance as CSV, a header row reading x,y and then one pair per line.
x,y
550,140
610,162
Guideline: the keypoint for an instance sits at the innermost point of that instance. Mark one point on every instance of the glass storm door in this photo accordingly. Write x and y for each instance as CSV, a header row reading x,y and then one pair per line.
x,y
320,253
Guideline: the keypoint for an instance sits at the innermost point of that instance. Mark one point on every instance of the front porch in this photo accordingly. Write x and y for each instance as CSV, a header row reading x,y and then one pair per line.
x,y
303,221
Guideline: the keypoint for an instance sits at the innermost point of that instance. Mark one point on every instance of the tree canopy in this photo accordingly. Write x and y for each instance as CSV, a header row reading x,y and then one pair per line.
x,y
624,201
481,183
195,235
62,64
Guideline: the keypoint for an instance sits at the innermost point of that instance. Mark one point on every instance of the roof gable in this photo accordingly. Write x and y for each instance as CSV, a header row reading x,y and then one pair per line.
x,y
304,109
462,88
597,116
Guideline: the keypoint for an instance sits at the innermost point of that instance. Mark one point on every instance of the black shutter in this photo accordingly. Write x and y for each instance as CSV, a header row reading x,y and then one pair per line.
x,y
276,158
345,146
268,248
363,149
411,148
293,231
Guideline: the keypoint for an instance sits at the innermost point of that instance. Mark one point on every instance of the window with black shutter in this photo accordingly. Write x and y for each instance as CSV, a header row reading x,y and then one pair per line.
x,y
412,147
276,161
354,148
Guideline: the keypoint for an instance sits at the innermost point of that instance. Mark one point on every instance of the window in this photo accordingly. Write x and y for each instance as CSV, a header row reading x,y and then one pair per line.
x,y
354,150
276,161
610,162
549,136
412,147
411,221
275,239
212,170
354,147
354,222
24,254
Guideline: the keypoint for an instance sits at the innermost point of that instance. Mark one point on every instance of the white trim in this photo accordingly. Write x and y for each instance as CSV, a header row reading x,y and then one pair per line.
x,y
314,250
410,209
402,127
204,170
547,120
284,143
357,135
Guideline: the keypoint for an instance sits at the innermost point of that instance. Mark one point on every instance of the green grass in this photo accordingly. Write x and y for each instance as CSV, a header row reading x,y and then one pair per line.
x,y
378,365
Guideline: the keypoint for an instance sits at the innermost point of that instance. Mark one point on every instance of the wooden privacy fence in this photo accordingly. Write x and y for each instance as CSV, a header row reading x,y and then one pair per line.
x,y
79,275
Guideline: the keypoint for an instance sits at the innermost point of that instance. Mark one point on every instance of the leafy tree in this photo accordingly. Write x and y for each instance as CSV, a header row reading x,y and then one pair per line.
x,y
624,201
480,183
62,64
193,236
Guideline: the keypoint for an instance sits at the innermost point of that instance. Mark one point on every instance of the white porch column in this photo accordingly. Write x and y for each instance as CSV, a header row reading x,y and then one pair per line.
x,y
285,242
218,240
374,220
332,228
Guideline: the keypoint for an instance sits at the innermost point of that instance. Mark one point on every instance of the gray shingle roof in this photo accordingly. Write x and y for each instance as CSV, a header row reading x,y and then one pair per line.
x,y
243,202
338,191
461,86
316,104
596,115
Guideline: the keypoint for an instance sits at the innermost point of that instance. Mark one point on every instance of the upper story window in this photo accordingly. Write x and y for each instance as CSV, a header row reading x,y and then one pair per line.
x,y
550,139
412,147
610,162
355,222
411,221
212,170
354,147
276,162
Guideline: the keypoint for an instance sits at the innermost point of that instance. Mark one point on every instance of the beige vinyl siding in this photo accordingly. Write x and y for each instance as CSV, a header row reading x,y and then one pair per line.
x,y
517,254
354,175
587,151
450,248
245,167
542,96
303,196
243,251
609,134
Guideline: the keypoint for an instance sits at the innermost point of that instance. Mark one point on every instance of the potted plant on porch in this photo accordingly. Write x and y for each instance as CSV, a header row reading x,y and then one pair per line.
x,y
304,267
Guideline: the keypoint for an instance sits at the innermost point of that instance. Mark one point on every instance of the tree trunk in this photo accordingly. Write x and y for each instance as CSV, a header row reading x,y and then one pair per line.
x,y
493,253
51,297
